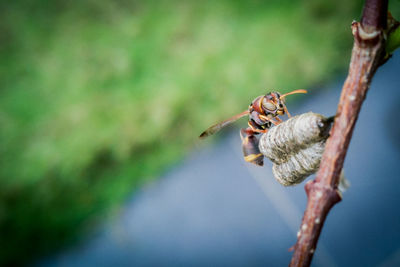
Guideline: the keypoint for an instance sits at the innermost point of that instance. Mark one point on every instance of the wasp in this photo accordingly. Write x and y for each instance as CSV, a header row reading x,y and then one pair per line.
x,y
263,112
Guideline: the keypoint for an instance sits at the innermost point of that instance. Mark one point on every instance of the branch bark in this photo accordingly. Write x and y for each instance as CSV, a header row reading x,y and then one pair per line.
x,y
367,54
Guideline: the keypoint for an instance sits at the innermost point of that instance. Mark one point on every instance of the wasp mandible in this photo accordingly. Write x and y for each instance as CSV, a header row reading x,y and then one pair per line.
x,y
263,113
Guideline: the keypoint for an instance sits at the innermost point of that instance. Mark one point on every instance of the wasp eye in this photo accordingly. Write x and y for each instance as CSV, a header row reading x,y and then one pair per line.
x,y
268,105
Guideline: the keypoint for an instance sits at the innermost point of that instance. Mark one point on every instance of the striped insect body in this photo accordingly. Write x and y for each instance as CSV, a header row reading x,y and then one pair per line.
x,y
263,112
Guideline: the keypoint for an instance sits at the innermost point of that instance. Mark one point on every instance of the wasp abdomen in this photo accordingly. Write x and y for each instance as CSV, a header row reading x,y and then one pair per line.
x,y
251,152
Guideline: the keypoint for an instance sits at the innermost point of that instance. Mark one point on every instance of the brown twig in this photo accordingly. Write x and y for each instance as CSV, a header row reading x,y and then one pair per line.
x,y
367,55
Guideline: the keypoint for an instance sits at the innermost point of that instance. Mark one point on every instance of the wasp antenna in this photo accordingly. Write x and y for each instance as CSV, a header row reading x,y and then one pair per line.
x,y
298,91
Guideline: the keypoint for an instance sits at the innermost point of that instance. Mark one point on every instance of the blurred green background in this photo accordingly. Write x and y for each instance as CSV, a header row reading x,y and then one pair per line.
x,y
98,97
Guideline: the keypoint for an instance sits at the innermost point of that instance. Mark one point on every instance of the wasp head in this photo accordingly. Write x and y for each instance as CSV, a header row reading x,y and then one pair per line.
x,y
274,102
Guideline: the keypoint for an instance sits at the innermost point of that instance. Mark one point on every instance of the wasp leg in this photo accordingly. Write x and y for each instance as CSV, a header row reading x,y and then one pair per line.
x,y
278,120
286,111
274,122
257,131
255,128
251,152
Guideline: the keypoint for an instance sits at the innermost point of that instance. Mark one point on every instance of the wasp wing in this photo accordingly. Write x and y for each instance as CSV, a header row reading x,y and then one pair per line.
x,y
216,127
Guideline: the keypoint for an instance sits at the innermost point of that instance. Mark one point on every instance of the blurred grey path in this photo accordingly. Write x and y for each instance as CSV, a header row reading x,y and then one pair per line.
x,y
216,210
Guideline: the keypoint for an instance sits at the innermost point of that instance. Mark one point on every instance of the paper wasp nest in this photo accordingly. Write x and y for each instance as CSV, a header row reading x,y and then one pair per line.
x,y
295,146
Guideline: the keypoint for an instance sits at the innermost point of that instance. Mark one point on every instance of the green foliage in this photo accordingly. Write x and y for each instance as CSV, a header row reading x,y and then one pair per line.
x,y
393,38
96,97
393,41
